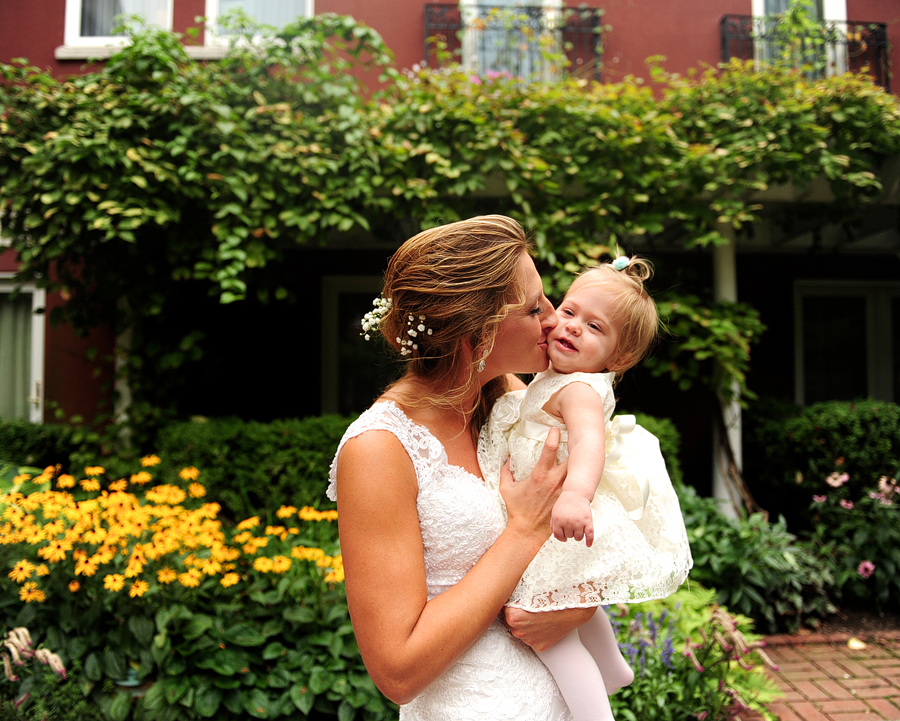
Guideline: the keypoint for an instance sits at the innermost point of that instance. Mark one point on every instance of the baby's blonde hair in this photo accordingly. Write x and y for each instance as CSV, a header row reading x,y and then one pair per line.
x,y
633,308
463,279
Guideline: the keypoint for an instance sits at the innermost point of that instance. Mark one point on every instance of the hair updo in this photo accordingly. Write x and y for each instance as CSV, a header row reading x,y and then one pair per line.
x,y
458,281
632,306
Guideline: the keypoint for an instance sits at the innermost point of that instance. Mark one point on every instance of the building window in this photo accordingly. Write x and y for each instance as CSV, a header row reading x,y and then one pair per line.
x,y
354,372
21,351
846,341
276,13
506,37
91,22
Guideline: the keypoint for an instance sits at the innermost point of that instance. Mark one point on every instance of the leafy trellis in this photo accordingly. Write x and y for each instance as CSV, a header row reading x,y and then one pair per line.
x,y
157,170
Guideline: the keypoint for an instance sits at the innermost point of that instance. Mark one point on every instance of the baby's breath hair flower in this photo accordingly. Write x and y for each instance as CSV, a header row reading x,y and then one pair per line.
x,y
621,263
371,321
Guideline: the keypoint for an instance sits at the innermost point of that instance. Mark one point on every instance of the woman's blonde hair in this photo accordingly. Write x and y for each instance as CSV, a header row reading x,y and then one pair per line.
x,y
632,307
458,281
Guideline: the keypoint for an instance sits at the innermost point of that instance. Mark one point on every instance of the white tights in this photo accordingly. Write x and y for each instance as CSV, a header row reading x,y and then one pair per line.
x,y
588,666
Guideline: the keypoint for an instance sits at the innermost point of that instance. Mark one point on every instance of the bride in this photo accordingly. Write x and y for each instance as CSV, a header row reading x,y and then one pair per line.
x,y
428,560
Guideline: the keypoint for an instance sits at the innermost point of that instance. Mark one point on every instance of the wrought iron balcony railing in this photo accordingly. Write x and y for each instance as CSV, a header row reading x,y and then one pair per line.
x,y
515,39
837,47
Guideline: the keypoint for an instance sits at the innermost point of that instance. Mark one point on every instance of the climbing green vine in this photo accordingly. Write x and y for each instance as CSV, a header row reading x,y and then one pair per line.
x,y
158,170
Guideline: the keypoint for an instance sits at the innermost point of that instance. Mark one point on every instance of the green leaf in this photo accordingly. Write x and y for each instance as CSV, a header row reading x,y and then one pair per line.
x,y
120,706
174,687
93,667
207,699
142,629
243,634
303,698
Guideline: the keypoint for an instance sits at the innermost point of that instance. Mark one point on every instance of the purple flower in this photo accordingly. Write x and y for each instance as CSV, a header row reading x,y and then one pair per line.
x,y
846,504
820,499
866,569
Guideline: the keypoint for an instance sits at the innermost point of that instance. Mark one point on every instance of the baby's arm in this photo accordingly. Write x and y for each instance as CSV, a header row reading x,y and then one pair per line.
x,y
581,409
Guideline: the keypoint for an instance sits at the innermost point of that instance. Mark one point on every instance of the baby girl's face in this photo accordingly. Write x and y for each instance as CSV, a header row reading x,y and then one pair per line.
x,y
586,338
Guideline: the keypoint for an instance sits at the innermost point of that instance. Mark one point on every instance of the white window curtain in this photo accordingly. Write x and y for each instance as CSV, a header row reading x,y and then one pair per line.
x,y
98,17
15,356
277,13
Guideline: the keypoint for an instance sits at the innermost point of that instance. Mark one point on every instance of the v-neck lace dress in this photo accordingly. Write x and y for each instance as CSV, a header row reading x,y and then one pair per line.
x,y
499,677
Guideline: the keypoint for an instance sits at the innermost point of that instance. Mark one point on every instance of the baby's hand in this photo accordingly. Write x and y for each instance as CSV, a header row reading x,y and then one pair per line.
x,y
572,518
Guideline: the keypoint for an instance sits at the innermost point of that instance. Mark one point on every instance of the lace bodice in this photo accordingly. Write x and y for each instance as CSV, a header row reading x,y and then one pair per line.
x,y
499,677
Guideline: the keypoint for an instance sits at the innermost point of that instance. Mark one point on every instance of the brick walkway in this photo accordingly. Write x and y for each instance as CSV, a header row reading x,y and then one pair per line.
x,y
823,679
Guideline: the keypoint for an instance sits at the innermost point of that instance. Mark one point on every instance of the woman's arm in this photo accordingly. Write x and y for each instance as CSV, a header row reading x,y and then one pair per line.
x,y
407,641
542,629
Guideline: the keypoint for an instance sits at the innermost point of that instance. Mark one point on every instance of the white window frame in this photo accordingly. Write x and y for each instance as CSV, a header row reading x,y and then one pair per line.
x,y
36,382
879,352
211,39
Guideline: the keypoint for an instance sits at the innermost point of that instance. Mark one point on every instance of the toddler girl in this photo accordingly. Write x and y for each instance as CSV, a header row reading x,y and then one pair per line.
x,y
617,497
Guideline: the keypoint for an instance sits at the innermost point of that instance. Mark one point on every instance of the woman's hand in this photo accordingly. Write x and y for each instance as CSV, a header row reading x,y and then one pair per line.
x,y
529,503
543,629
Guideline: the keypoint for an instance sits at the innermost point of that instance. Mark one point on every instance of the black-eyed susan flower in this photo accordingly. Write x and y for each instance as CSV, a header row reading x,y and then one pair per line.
x,y
189,474
30,593
94,471
263,564
166,575
138,589
74,586
114,582
90,484
65,481
229,579
22,571
196,490
149,461
285,511
190,578
139,479
248,523
281,564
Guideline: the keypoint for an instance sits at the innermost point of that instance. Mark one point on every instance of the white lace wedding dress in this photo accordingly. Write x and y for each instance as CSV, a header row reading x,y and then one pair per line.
x,y
499,677
640,548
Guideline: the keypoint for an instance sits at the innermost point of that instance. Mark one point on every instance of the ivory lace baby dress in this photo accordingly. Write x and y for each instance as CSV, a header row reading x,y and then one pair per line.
x,y
499,678
640,549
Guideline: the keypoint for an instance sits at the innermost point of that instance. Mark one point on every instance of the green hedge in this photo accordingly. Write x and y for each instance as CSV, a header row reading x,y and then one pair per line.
x,y
789,451
36,444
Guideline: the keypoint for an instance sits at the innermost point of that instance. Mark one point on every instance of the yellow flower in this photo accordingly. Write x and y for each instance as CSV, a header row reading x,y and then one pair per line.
x,y
86,566
89,484
285,511
22,571
196,490
65,481
190,579
151,460
74,586
251,522
55,551
43,570
30,592
94,471
114,582
229,579
139,479
281,564
189,474
279,531
166,494
138,589
21,478
119,485
166,575
263,564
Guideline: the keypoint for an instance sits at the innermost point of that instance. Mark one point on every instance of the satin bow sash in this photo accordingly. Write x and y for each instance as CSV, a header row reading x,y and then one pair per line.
x,y
619,427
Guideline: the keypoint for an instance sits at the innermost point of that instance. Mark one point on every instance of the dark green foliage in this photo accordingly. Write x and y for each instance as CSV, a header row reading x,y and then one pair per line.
x,y
255,468
759,568
51,698
790,451
34,444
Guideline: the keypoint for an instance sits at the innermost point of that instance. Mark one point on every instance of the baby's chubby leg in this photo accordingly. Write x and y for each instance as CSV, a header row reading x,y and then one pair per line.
x,y
579,679
599,639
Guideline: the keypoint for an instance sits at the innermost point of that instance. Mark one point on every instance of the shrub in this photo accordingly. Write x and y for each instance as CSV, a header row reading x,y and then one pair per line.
x,y
860,535
143,581
35,444
254,468
760,569
790,450
682,669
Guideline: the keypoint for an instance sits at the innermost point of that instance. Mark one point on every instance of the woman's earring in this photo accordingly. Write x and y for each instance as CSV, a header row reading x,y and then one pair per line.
x,y
484,355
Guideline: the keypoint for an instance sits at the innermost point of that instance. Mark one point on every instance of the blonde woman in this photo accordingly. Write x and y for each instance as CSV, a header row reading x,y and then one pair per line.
x,y
429,561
